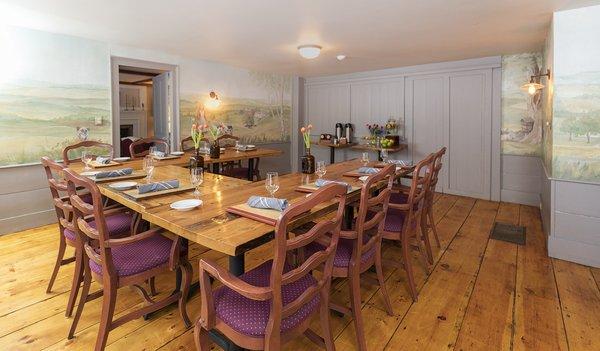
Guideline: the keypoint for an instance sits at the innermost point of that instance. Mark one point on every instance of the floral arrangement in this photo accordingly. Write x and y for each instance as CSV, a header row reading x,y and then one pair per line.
x,y
305,131
375,129
391,127
197,134
216,131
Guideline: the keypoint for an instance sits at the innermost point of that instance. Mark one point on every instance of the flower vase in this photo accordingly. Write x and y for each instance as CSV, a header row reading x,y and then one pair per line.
x,y
308,163
197,160
215,150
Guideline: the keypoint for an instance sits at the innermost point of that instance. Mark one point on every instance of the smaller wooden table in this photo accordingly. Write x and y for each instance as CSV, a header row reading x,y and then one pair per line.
x,y
332,148
391,150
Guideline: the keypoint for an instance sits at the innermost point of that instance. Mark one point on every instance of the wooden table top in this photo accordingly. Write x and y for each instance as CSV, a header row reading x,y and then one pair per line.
x,y
211,226
229,155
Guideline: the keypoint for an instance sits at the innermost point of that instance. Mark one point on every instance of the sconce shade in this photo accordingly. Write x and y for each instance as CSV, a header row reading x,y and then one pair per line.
x,y
213,102
531,88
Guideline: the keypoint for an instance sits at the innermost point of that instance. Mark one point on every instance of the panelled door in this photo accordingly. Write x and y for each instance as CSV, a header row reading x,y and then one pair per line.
x,y
453,110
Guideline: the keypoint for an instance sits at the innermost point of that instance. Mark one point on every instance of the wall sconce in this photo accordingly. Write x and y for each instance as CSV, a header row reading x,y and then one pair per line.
x,y
213,101
534,83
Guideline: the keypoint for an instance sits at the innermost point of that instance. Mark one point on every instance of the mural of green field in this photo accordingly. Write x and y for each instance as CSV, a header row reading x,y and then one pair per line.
x,y
40,120
253,121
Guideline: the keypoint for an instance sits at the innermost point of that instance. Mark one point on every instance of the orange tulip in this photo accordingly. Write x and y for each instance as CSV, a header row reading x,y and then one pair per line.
x,y
302,130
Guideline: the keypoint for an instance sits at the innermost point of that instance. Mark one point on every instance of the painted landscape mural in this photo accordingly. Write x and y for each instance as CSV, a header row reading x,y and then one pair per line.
x,y
51,86
263,118
521,113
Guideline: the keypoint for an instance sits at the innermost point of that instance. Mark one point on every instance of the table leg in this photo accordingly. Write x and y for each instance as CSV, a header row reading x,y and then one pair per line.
x,y
331,155
215,167
251,169
379,156
348,217
236,264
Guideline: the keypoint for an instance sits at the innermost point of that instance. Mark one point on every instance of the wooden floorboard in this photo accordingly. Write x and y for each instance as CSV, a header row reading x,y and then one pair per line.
x,y
481,294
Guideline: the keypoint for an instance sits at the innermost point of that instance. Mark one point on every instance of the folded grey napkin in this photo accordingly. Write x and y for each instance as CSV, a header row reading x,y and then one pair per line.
x,y
158,186
267,203
322,182
103,160
159,154
368,170
115,173
399,163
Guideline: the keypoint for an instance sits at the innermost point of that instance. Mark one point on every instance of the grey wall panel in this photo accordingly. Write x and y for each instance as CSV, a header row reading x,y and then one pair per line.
x,y
27,221
31,201
22,178
281,164
574,251
520,197
580,228
546,203
526,165
521,182
578,198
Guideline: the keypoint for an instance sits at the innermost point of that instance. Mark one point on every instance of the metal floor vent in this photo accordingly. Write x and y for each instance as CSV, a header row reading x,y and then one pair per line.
x,y
508,232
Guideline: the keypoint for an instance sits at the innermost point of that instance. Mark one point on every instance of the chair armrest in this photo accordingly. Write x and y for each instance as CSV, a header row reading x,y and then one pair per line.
x,y
229,280
131,239
348,234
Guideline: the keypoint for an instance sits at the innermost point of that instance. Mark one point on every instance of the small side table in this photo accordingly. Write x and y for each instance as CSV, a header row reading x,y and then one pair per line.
x,y
332,149
390,150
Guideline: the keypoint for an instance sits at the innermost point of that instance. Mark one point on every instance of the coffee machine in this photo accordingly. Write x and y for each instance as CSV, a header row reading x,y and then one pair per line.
x,y
348,132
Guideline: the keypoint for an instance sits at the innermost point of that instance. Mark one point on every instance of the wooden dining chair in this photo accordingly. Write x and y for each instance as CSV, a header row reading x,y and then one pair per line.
x,y
359,248
403,222
141,147
235,169
187,144
94,145
117,224
118,262
273,303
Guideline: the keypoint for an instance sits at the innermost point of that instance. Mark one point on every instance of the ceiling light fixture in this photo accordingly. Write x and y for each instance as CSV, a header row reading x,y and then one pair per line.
x,y
309,51
534,83
213,102
340,57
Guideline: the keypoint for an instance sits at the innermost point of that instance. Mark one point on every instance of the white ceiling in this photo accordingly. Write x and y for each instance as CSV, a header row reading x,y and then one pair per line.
x,y
264,34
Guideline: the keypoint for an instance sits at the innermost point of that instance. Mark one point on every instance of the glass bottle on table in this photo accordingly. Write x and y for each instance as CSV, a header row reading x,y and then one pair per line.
x,y
384,155
197,178
272,183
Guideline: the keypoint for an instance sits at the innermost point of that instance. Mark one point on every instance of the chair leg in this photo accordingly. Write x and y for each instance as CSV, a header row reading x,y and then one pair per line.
x,y
432,225
87,282
356,311
108,309
185,288
380,278
325,321
408,268
59,257
152,286
201,338
77,279
425,234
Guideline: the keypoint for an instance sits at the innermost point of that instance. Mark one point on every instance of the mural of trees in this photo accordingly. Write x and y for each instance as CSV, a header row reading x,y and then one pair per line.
x,y
278,87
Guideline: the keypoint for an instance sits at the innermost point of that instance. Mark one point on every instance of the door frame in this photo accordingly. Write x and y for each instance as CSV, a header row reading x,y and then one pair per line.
x,y
115,62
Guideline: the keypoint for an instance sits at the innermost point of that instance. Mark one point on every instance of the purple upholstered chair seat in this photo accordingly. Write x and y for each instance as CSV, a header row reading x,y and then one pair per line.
x,y
250,317
138,256
343,254
394,220
117,224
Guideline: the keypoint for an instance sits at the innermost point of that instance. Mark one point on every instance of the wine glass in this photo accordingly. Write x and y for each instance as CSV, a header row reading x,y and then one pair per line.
x,y
148,166
272,183
197,178
237,145
321,170
384,155
365,158
152,150
86,158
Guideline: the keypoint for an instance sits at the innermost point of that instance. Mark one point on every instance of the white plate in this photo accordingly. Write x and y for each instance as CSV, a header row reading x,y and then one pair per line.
x,y
89,173
177,153
122,185
186,205
121,159
250,146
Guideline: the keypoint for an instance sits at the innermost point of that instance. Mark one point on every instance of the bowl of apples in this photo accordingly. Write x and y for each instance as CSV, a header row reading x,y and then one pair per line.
x,y
386,143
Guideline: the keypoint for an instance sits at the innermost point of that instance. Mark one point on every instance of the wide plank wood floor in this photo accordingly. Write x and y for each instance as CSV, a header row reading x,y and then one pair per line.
x,y
480,294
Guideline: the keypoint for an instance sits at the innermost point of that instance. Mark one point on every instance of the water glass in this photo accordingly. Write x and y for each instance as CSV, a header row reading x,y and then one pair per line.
x,y
197,178
148,165
365,158
384,155
152,150
272,183
86,158
321,170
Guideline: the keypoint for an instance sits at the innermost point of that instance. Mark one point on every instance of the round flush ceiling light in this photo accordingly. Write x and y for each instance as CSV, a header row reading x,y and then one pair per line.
x,y
309,51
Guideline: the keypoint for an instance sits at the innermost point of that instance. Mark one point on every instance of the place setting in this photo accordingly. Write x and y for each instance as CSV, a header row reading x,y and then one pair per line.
x,y
196,179
161,155
320,171
261,208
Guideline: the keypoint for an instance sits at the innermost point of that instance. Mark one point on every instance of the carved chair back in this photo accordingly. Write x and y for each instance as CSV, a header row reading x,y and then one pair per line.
x,y
85,144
